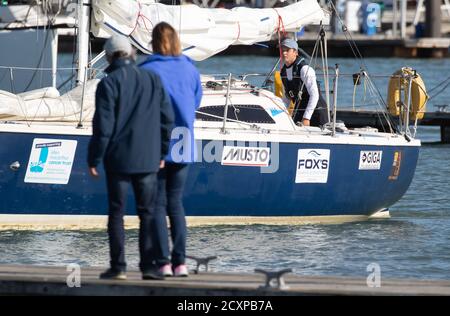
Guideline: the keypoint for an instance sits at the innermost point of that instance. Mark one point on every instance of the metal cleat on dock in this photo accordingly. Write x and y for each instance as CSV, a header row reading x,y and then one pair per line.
x,y
274,279
441,107
201,261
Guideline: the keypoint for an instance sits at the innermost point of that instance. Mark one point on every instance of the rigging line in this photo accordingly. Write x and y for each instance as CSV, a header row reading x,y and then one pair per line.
x,y
69,97
372,92
39,62
379,115
81,109
277,30
344,28
356,52
372,89
4,76
37,110
19,98
53,19
280,25
383,112
66,81
440,91
32,68
352,42
47,32
235,110
266,81
438,85
75,31
283,108
359,55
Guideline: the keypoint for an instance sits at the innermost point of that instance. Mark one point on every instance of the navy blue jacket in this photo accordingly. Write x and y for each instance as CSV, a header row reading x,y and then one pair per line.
x,y
132,122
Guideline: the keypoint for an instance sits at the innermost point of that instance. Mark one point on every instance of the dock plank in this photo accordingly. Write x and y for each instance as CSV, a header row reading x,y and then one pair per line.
x,y
51,280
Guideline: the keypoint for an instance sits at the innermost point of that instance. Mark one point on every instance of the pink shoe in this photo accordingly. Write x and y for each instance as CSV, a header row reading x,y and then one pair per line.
x,y
181,271
166,270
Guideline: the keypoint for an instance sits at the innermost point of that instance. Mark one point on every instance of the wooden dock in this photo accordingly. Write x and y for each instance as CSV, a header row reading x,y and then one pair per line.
x,y
61,281
360,118
338,46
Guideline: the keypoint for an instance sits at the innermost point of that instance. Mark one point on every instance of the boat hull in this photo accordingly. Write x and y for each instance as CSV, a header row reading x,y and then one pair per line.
x,y
213,189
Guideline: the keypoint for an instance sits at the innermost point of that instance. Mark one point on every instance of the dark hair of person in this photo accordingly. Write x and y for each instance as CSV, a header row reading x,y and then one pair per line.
x,y
165,40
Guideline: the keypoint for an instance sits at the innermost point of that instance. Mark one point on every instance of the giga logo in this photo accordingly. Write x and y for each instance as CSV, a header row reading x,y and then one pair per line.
x,y
370,160
312,166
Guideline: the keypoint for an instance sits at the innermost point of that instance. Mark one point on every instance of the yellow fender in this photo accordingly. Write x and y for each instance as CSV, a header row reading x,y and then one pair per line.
x,y
279,90
398,87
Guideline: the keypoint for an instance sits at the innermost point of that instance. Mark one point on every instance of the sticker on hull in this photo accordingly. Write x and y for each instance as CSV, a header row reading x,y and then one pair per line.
x,y
50,161
370,160
395,171
245,156
312,166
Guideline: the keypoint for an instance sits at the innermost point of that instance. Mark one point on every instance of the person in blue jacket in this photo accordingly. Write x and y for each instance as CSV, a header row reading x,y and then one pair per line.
x,y
130,135
182,82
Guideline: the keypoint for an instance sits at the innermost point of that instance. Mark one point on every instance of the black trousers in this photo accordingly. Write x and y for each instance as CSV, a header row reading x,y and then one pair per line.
x,y
171,181
145,190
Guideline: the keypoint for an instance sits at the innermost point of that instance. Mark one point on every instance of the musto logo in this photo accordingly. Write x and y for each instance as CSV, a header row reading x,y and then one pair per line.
x,y
370,160
246,156
312,165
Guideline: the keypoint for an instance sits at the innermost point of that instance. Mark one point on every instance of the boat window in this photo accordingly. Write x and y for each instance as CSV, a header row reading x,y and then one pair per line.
x,y
248,113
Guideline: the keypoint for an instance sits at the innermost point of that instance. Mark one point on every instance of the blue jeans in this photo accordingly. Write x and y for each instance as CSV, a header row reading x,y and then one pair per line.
x,y
145,188
171,181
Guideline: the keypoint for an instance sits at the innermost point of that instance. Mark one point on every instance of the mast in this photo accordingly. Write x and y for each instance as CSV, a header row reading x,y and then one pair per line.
x,y
54,45
84,10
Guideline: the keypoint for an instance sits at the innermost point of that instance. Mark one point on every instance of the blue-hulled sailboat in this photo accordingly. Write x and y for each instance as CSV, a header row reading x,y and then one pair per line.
x,y
254,164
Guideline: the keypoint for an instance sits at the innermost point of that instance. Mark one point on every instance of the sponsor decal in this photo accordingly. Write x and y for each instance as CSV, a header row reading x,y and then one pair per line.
x,y
370,160
312,166
50,161
245,156
395,171
275,112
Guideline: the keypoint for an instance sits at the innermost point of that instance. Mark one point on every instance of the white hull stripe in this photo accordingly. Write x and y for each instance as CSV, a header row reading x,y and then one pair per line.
x,y
376,139
77,222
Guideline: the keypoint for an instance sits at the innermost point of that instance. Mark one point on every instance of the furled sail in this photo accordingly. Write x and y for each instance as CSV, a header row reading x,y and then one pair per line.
x,y
203,31
47,104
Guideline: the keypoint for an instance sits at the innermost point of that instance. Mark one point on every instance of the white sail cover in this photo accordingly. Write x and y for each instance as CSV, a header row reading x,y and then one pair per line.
x,y
203,31
46,104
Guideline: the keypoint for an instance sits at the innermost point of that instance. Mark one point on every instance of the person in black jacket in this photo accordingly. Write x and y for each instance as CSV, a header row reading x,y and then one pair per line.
x,y
130,133
300,87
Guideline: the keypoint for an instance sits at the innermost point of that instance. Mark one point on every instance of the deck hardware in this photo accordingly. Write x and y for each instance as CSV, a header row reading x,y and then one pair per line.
x,y
14,166
201,261
274,279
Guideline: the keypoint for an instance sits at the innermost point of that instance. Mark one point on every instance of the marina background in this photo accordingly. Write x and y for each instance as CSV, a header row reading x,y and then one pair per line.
x,y
414,243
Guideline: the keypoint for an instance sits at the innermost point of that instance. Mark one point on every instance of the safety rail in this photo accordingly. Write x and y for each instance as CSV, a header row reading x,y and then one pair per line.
x,y
239,83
